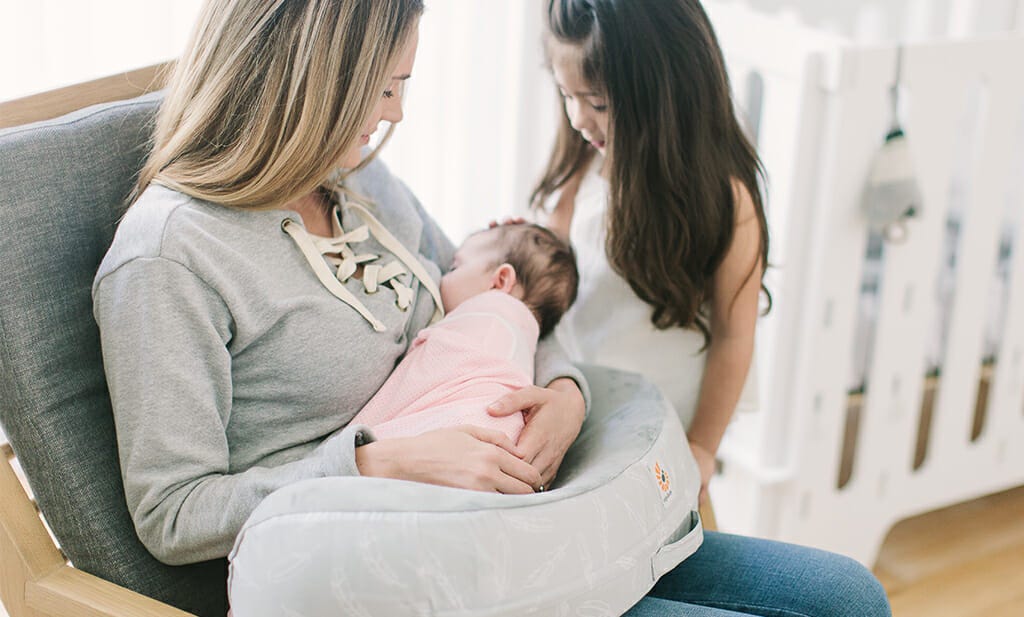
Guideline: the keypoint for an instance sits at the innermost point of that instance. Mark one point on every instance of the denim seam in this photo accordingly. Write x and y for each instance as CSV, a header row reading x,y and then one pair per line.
x,y
739,607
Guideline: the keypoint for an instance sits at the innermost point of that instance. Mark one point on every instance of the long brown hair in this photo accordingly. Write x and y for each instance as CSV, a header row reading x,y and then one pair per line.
x,y
676,148
270,94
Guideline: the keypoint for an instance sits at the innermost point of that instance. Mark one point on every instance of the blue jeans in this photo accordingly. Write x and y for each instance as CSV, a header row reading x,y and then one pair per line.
x,y
732,576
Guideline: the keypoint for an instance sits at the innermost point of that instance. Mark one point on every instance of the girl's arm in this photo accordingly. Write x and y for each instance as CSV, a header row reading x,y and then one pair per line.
x,y
734,305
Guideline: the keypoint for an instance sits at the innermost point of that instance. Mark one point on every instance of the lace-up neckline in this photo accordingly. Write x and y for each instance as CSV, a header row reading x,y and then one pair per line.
x,y
319,251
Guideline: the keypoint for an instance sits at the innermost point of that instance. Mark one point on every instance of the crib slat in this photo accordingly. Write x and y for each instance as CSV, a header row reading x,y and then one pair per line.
x,y
906,309
990,175
792,200
1006,397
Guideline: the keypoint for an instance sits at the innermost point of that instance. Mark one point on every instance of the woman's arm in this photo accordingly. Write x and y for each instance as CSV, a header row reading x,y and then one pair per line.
x,y
734,305
552,365
466,456
164,336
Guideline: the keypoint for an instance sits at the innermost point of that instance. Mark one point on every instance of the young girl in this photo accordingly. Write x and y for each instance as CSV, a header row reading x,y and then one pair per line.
x,y
656,186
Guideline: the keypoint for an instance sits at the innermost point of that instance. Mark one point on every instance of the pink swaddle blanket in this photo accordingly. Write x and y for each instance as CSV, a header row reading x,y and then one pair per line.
x,y
454,369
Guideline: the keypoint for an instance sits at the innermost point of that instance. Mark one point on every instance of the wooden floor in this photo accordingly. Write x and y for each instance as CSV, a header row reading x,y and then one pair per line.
x,y
962,561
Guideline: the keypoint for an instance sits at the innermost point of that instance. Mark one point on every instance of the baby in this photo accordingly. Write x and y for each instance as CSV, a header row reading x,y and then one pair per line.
x,y
508,286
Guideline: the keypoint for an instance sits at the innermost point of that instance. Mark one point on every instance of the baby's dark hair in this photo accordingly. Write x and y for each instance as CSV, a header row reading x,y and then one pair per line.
x,y
545,268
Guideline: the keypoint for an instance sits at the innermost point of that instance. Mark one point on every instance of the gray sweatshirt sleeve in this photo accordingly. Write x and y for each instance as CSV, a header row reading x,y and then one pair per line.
x,y
552,362
164,336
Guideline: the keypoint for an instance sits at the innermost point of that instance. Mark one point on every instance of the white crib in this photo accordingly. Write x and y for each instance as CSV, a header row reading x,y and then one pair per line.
x,y
841,449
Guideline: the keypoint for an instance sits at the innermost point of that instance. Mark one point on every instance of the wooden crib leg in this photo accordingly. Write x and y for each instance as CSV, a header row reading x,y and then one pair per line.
x,y
707,516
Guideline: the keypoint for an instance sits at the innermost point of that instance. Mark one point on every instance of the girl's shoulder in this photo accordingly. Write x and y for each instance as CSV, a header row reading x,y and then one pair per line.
x,y
743,203
589,186
584,195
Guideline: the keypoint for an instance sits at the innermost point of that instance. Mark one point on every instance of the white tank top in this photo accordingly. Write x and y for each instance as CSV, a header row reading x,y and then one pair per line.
x,y
609,325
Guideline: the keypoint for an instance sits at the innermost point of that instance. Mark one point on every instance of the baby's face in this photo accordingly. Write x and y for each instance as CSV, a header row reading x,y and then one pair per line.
x,y
472,272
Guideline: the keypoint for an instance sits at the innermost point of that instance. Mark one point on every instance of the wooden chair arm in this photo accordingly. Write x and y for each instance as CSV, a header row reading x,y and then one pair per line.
x,y
68,591
34,578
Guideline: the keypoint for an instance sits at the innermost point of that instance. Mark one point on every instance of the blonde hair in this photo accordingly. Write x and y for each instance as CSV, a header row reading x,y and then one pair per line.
x,y
270,95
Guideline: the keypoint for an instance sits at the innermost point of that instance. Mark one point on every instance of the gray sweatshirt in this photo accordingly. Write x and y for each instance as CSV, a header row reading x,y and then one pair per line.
x,y
233,371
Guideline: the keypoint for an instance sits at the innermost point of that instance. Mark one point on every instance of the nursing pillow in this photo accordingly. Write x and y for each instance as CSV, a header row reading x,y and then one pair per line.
x,y
623,512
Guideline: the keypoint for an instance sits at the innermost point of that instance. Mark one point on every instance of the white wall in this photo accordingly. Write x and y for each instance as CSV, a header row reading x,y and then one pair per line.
x,y
480,112
906,20
47,44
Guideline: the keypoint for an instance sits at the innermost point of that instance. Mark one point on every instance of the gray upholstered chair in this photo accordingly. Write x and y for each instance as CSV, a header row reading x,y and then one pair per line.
x,y
63,185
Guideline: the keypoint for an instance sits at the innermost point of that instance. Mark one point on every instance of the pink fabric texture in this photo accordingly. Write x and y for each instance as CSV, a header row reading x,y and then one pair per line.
x,y
454,369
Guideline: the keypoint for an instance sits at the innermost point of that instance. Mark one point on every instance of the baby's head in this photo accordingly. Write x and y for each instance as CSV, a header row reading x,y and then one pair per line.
x,y
527,261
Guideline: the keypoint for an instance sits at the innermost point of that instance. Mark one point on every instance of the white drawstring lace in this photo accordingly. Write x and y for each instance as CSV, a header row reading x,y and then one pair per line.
x,y
337,252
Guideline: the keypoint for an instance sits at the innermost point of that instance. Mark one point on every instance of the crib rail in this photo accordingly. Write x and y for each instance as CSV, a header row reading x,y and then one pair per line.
x,y
927,432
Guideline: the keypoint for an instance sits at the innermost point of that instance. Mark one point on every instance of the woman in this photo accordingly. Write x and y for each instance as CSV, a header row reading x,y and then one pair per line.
x,y
655,184
234,362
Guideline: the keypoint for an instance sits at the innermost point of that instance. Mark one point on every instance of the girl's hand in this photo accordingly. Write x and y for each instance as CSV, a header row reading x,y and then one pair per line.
x,y
508,220
554,417
463,457
706,463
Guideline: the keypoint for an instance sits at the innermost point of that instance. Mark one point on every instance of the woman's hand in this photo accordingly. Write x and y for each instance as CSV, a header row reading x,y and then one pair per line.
x,y
554,417
706,464
463,457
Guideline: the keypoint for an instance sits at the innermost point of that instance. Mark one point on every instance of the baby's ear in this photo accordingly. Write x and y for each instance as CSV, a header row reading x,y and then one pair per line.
x,y
504,278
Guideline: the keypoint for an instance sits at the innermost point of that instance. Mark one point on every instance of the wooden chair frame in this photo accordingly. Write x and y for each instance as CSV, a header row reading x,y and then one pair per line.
x,y
35,577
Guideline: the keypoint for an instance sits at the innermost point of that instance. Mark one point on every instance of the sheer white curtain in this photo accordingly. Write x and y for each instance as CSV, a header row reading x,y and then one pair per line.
x,y
47,44
900,20
480,112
